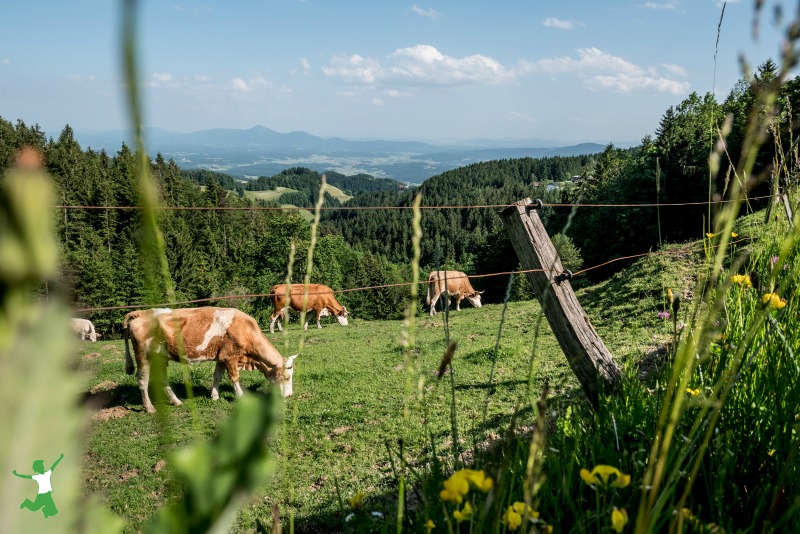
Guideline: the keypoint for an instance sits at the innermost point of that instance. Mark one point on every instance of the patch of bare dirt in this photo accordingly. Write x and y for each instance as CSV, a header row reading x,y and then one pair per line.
x,y
108,347
161,464
114,412
129,474
90,356
103,386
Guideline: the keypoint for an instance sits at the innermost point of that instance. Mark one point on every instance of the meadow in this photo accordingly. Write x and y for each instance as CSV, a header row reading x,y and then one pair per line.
x,y
339,432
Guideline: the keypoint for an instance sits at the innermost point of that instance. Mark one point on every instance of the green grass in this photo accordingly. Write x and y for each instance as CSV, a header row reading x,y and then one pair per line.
x,y
347,404
271,194
337,193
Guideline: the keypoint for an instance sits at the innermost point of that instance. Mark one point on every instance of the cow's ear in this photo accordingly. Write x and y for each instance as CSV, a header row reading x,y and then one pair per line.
x,y
290,361
480,292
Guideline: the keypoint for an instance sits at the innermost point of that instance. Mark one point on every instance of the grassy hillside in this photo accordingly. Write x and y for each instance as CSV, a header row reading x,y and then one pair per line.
x,y
347,410
271,194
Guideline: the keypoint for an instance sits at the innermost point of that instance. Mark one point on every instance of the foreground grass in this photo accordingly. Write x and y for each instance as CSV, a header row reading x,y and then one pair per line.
x,y
342,425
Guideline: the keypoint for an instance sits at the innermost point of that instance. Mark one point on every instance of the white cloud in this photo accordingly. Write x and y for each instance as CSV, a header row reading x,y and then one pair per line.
x,y
604,71
80,77
422,12
669,4
558,23
377,101
306,66
354,68
163,79
256,86
516,115
418,65
394,93
202,78
623,83
5,61
241,86
677,70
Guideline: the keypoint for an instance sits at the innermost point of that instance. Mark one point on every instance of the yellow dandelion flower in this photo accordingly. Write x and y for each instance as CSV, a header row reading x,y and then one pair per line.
x,y
619,518
693,392
734,235
357,500
601,474
429,526
709,235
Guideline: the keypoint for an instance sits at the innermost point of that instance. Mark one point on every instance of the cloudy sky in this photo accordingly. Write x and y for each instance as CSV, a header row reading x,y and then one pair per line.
x,y
439,70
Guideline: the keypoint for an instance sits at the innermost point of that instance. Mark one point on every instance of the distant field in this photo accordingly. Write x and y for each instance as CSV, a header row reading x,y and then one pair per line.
x,y
272,194
307,215
338,194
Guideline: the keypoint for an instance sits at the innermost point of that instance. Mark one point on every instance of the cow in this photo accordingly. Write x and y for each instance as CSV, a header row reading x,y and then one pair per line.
x,y
320,300
84,328
458,286
227,336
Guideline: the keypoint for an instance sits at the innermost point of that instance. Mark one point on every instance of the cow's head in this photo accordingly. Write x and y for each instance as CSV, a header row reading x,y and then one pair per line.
x,y
93,336
475,299
285,378
342,317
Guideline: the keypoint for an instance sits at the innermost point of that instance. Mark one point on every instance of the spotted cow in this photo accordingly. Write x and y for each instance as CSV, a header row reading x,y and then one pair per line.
x,y
226,336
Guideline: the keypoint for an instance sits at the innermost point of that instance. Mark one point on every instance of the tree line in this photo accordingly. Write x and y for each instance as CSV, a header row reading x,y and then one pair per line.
x,y
214,253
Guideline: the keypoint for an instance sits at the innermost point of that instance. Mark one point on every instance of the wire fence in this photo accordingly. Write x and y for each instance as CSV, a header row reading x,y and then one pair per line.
x,y
374,208
679,251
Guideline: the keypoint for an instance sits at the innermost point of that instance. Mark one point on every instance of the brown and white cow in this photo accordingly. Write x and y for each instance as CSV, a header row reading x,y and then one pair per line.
x,y
84,328
454,284
226,336
320,300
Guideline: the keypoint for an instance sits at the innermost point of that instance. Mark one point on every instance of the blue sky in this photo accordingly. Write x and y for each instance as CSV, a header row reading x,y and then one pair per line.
x,y
440,70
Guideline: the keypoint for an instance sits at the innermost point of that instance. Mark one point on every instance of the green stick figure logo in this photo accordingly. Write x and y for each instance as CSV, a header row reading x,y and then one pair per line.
x,y
44,499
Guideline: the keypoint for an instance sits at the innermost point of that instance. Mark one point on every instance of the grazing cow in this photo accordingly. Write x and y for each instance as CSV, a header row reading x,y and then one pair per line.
x,y
226,336
84,328
320,300
458,286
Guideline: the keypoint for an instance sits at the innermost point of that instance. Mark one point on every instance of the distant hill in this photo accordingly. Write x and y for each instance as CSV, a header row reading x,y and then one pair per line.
x,y
260,151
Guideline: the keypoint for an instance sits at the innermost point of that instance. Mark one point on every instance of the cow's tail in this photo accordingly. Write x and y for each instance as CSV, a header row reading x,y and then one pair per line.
x,y
129,368
428,294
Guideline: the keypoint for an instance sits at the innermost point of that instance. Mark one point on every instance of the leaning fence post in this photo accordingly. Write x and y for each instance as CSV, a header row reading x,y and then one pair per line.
x,y
586,353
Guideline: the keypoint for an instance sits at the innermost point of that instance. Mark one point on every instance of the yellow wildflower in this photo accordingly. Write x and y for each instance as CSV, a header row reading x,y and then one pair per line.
x,y
357,500
734,235
742,279
601,473
547,529
478,479
775,301
455,488
619,518
429,525
463,514
709,235
512,517
693,392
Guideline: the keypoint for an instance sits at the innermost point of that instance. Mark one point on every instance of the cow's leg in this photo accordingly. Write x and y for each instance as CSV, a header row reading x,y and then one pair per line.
x,y
319,314
434,300
458,302
233,372
171,395
143,377
219,370
274,317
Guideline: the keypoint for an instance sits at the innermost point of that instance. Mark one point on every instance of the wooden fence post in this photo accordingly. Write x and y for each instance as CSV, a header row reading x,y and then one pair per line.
x,y
586,353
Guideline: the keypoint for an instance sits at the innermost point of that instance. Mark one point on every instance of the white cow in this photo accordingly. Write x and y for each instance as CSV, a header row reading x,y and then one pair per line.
x,y
84,328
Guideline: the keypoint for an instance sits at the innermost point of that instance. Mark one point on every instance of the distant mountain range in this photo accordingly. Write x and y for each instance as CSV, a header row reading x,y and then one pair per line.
x,y
260,151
